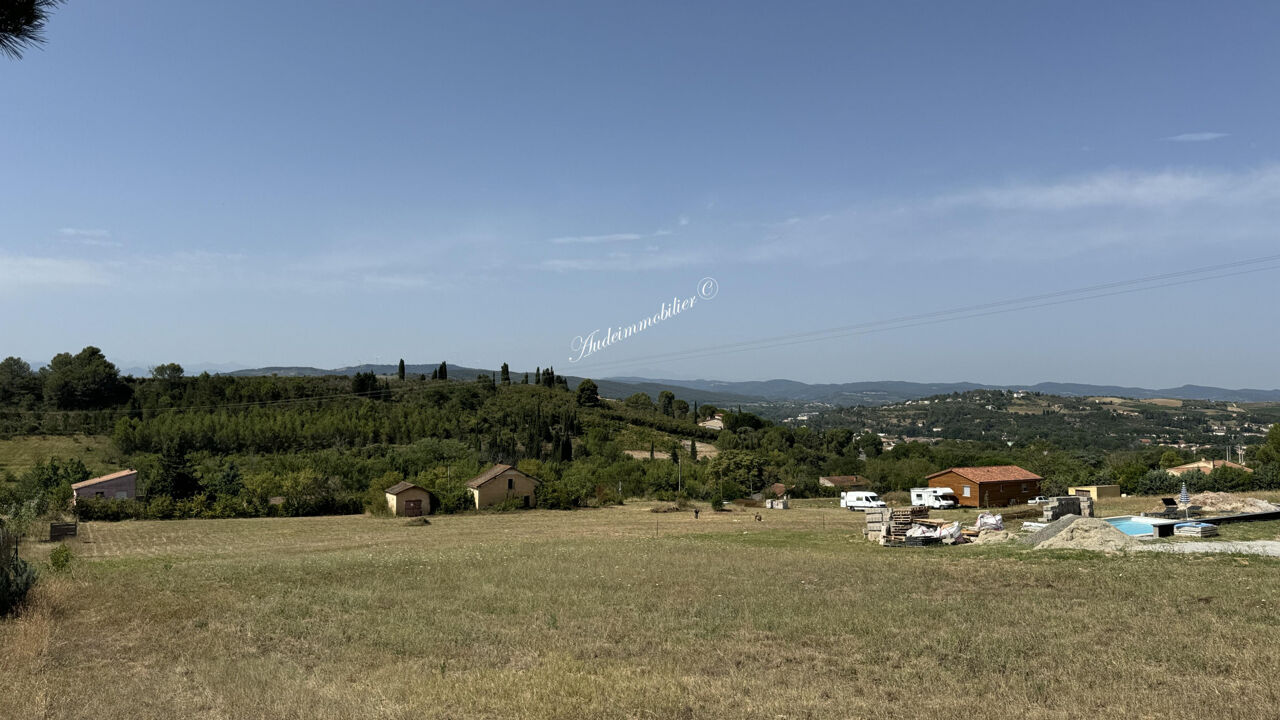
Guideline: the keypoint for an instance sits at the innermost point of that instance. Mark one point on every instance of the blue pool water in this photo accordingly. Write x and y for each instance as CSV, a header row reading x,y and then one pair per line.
x,y
1131,527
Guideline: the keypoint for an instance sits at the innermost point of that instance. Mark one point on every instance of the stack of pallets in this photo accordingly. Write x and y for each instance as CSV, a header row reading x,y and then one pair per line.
x,y
898,522
876,520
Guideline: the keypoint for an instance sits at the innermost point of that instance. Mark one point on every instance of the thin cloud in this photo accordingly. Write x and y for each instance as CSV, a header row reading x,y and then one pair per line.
x,y
1197,137
91,237
82,232
596,239
1122,190
22,271
658,260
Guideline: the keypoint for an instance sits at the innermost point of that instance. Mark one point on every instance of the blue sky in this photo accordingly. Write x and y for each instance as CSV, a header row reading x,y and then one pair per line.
x,y
286,184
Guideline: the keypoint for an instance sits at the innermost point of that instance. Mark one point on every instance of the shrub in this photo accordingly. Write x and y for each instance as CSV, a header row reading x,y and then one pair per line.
x,y
16,578
896,497
60,557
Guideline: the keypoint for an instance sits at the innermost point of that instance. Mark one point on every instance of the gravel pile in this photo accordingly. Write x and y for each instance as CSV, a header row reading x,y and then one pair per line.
x,y
1088,534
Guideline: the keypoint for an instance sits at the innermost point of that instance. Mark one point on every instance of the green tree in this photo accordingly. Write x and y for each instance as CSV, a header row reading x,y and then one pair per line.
x,y
1170,458
22,24
666,403
639,401
168,372
525,381
227,482
693,450
443,372
365,383
588,393
506,374
681,409
400,370
1269,452
84,381
18,384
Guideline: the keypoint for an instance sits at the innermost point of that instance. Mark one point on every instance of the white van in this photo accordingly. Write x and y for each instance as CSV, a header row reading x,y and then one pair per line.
x,y
937,498
859,500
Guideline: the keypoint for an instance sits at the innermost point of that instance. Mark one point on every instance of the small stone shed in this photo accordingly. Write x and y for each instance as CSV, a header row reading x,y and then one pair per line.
x,y
405,499
121,485
501,483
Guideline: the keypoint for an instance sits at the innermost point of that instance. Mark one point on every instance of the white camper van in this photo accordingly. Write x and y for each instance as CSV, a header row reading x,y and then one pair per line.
x,y
860,500
931,497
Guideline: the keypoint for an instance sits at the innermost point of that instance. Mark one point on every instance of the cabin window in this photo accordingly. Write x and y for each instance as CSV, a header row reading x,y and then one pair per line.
x,y
122,495
1024,487
511,483
99,494
966,490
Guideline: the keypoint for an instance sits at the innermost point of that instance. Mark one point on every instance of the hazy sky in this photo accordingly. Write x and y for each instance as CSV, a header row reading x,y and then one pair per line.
x,y
292,183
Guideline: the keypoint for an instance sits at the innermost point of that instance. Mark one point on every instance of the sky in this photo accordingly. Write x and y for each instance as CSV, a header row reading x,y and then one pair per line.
x,y
292,183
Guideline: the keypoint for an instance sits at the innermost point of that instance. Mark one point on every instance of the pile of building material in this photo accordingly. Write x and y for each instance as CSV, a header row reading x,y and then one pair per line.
x,y
1195,529
993,537
1228,503
1080,505
1079,533
889,526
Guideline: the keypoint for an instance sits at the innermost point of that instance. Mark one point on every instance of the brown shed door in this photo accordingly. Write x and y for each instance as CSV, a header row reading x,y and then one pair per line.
x,y
1084,493
412,508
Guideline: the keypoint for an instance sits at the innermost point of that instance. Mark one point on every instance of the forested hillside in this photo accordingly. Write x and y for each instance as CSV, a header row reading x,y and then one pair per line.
x,y
226,446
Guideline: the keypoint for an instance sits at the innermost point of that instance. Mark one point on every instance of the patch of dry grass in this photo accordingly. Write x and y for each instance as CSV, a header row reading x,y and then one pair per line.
x,y
19,454
587,614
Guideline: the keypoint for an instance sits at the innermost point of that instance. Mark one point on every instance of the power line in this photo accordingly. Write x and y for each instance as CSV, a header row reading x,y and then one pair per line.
x,y
1121,287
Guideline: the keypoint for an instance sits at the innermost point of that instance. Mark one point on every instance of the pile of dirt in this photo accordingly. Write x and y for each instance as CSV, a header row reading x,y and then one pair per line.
x,y
1225,502
1088,534
992,537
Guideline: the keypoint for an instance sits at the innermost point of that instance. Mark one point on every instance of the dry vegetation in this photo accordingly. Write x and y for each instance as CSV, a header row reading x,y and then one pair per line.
x,y
587,614
19,454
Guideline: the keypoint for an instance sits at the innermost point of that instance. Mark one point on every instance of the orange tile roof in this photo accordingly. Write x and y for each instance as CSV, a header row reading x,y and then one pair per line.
x,y
990,473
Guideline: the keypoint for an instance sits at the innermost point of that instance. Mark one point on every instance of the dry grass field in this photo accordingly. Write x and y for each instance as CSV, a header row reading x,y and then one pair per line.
x,y
22,453
624,613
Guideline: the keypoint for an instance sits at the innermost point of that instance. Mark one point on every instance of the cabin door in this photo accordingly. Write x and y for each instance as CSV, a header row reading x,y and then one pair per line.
x,y
412,508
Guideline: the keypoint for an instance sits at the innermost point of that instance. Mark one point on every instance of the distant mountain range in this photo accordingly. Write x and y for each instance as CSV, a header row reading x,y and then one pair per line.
x,y
890,391
756,391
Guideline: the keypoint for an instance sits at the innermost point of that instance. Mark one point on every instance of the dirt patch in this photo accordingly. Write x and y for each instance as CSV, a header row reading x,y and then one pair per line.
x,y
1088,534
1226,502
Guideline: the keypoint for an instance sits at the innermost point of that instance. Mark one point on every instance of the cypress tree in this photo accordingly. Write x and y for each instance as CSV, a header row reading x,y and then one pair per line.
x,y
506,374
526,379
435,373
444,371
693,450
401,370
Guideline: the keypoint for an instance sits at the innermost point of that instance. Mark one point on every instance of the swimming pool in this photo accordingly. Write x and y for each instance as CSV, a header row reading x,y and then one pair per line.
x,y
1141,526
1133,525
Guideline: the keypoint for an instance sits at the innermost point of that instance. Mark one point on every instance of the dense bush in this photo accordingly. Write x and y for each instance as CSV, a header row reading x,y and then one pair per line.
x,y
16,578
60,557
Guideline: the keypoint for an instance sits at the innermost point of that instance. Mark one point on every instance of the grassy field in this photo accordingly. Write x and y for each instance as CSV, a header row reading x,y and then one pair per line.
x,y
624,613
22,453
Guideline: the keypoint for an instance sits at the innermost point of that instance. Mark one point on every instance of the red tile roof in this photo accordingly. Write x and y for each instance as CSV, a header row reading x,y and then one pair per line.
x,y
845,480
990,474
